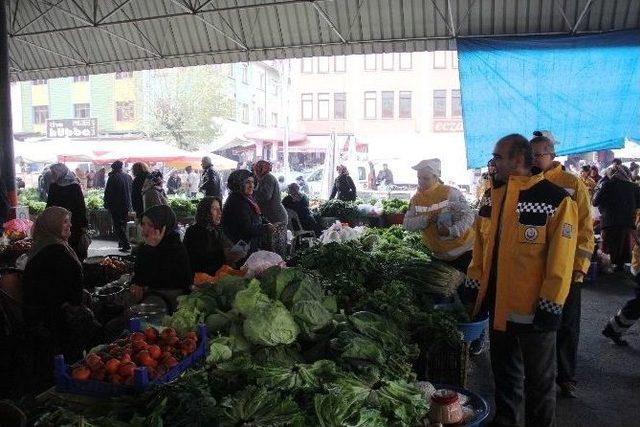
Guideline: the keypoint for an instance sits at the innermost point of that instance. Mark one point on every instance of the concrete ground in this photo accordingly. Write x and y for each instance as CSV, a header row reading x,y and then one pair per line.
x,y
608,376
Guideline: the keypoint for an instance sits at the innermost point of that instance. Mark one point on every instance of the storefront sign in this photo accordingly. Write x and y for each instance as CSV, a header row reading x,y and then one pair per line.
x,y
72,128
441,126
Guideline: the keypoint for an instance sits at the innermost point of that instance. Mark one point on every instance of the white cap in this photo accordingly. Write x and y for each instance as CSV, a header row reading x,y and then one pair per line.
x,y
431,165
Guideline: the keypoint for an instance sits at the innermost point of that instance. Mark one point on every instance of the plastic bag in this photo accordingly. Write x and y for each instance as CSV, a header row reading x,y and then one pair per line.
x,y
340,233
260,261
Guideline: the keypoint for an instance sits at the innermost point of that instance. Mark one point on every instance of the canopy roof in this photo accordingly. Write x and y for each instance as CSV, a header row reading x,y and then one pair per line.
x,y
57,38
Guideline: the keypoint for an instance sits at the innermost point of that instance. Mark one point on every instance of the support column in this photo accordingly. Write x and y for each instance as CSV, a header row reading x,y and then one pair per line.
x,y
7,168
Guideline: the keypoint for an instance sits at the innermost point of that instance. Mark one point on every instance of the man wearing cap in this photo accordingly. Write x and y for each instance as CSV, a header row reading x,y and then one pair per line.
x,y
117,199
443,216
542,146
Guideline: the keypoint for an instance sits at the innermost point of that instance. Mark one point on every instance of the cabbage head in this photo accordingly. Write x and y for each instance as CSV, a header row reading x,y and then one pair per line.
x,y
270,326
251,299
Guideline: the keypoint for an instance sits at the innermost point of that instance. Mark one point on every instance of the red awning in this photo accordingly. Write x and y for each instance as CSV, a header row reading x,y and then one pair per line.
x,y
274,135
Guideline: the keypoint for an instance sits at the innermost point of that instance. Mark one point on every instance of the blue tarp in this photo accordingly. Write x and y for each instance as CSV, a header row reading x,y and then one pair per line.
x,y
584,89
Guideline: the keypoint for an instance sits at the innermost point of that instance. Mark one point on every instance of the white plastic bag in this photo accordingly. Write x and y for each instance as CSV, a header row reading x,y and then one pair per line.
x,y
340,233
260,261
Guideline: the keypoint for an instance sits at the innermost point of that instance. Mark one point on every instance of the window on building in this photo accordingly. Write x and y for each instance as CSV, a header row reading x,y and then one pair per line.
x,y
370,99
245,113
362,173
439,103
454,59
274,119
340,106
274,87
323,106
260,119
261,80
307,106
81,79
439,59
125,111
404,105
405,61
370,62
387,61
456,103
81,111
39,82
229,69
387,104
40,114
124,75
245,73
307,65
323,64
340,64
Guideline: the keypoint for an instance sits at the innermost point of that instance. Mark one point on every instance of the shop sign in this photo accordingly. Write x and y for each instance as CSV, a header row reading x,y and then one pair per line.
x,y
72,128
441,126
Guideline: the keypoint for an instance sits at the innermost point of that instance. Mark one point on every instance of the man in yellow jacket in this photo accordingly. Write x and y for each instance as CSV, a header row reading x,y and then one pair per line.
x,y
543,150
521,273
443,216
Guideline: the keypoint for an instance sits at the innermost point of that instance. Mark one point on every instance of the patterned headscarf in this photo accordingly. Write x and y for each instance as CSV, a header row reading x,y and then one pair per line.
x,y
47,231
261,168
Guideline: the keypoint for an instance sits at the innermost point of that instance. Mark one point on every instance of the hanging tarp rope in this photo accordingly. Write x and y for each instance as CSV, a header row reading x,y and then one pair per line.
x,y
584,89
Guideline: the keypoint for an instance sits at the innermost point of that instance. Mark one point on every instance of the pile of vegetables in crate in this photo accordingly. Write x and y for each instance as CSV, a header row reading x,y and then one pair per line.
x,y
94,199
344,211
395,206
29,197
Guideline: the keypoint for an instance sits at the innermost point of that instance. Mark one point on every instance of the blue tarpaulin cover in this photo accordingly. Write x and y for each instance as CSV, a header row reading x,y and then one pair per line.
x,y
584,89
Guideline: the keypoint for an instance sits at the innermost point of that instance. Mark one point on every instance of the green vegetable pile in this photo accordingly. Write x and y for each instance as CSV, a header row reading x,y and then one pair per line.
x,y
94,199
29,198
344,211
394,206
182,206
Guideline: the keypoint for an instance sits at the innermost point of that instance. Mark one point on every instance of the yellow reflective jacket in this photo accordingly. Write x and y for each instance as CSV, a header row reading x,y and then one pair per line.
x,y
524,231
580,194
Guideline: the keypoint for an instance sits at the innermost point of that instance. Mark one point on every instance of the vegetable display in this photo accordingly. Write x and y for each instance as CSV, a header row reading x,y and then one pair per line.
x,y
182,206
329,341
394,206
344,211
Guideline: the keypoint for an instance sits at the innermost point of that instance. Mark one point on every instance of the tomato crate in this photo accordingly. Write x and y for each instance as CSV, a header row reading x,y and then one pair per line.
x,y
102,389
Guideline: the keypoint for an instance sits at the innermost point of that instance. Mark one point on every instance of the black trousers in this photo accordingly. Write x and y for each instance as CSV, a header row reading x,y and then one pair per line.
x,y
524,366
120,228
568,335
628,314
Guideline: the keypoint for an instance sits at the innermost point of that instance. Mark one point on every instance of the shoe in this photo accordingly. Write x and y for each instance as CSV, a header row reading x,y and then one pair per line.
x,y
614,336
568,390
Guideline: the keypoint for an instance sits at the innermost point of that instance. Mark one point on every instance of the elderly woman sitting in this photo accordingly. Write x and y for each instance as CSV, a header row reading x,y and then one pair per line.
x,y
206,245
299,203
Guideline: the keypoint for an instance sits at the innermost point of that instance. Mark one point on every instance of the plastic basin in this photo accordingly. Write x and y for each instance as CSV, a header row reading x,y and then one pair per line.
x,y
473,330
475,401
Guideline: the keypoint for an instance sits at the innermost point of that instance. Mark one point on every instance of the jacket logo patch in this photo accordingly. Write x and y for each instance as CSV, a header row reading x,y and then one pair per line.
x,y
531,234
567,229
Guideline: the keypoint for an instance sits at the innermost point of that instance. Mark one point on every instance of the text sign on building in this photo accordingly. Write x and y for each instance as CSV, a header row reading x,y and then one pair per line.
x,y
440,126
72,128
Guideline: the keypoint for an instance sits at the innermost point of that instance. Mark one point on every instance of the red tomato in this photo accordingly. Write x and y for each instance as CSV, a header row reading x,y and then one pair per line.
x,y
151,334
127,369
81,373
154,351
137,336
112,366
192,335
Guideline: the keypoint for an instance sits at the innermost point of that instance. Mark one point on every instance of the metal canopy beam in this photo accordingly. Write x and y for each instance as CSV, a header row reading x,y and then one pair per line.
x,y
582,15
324,16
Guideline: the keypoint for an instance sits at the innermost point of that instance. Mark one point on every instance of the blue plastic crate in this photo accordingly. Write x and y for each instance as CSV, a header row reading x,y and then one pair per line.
x,y
471,331
66,384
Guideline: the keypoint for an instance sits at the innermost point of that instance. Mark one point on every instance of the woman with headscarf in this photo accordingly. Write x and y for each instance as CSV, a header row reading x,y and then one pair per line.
x,y
140,172
152,191
241,216
206,245
267,195
65,192
162,263
343,188
618,200
595,174
52,293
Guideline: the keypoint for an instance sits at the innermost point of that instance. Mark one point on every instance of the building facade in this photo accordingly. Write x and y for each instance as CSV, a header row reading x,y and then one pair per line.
x,y
120,101
405,106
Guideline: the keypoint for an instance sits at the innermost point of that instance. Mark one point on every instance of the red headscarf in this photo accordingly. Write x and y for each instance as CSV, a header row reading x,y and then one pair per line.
x,y
261,168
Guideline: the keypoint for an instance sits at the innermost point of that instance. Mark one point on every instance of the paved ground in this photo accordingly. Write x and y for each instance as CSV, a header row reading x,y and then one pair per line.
x,y
608,376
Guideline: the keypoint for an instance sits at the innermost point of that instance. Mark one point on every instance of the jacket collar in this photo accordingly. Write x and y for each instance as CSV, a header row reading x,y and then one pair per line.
x,y
524,182
555,171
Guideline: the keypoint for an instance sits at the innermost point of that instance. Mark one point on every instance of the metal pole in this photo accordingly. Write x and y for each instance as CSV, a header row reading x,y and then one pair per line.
x,y
285,141
7,170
